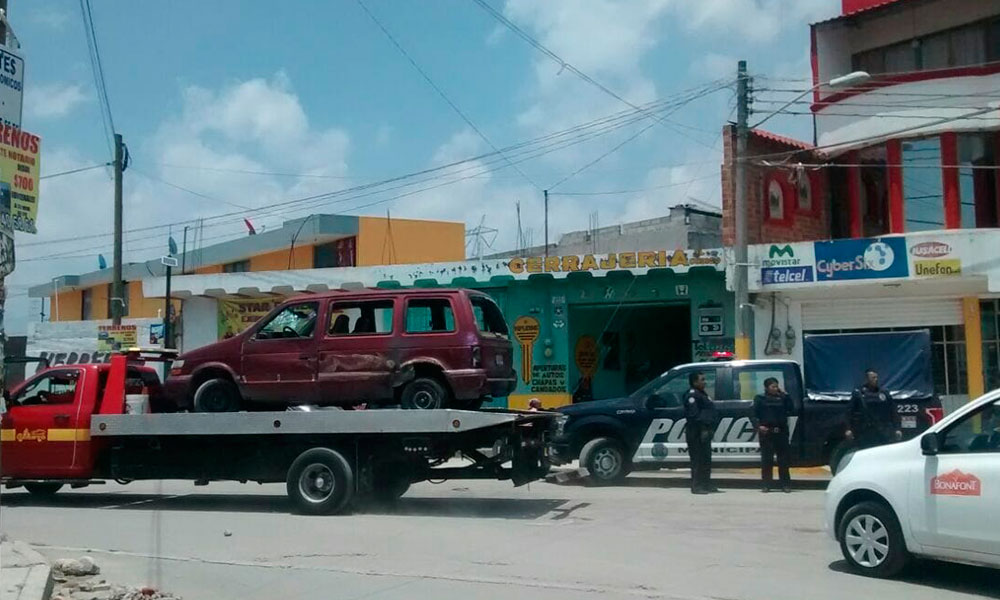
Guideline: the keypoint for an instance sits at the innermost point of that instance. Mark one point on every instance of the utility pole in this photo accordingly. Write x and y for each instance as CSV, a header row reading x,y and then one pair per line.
x,y
546,223
743,315
167,343
117,290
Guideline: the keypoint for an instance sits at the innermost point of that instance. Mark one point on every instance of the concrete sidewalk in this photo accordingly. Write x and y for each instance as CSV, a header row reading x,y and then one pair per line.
x,y
24,573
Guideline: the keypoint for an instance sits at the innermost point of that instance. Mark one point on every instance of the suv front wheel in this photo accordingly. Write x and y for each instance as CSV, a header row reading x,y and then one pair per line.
x,y
605,460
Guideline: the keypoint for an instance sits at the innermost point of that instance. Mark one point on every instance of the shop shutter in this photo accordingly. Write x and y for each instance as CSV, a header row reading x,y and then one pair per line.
x,y
882,312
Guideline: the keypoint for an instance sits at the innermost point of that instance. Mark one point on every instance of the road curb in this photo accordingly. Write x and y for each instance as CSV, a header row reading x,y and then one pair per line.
x,y
25,573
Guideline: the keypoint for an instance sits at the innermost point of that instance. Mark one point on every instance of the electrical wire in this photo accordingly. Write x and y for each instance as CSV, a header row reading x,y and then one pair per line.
x,y
438,89
152,177
635,191
72,171
98,72
563,64
549,143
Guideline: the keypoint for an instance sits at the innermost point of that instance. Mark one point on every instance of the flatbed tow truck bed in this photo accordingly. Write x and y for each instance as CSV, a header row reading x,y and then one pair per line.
x,y
329,460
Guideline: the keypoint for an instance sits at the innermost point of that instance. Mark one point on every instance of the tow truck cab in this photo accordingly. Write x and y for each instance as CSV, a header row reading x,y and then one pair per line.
x,y
46,425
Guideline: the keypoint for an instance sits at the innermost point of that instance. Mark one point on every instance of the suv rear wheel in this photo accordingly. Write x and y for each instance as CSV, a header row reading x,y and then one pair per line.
x,y
217,395
424,393
605,460
871,540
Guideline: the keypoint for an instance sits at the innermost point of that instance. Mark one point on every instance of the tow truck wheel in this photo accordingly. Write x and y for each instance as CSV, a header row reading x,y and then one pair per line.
x,y
872,541
40,488
604,458
320,482
217,395
424,393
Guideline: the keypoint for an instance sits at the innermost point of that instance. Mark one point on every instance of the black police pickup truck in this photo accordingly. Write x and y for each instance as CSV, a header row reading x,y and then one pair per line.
x,y
646,429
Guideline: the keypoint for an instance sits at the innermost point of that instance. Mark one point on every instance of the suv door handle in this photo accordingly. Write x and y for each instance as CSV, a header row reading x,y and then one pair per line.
x,y
61,419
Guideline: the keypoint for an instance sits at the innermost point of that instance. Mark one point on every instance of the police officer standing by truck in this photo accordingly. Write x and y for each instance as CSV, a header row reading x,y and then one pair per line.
x,y
770,416
700,413
873,417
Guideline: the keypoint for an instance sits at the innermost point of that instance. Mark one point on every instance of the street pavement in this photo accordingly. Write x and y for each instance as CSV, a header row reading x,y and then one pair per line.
x,y
648,538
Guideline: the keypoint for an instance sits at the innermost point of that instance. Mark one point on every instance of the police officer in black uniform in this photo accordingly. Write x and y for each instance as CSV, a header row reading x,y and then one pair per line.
x,y
873,417
770,416
700,413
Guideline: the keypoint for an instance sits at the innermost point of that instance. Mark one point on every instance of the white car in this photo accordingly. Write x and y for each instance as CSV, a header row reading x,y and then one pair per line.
x,y
935,496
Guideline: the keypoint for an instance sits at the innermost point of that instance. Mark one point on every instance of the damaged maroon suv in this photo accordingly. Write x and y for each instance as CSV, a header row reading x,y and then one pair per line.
x,y
418,348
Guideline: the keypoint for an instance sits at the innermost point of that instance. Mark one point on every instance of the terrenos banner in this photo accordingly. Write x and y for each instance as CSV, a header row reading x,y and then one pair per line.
x,y
837,362
861,259
76,342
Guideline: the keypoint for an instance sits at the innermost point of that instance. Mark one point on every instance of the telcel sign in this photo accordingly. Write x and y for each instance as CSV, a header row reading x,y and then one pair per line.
x,y
861,259
782,266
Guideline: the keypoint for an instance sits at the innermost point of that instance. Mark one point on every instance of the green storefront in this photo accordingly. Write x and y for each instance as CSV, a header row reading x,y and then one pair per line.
x,y
604,332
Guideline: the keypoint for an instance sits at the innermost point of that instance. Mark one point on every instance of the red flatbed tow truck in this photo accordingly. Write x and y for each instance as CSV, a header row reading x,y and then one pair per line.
x,y
68,425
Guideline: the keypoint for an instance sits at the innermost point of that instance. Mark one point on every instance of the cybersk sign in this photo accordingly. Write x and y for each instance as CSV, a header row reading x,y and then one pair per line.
x,y
881,258
735,440
787,263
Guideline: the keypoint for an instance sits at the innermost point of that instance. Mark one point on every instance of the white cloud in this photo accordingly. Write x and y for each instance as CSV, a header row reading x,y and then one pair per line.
x,y
52,100
712,65
753,20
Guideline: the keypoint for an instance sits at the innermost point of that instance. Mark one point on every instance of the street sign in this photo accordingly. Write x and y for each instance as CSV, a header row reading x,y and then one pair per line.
x,y
11,86
168,261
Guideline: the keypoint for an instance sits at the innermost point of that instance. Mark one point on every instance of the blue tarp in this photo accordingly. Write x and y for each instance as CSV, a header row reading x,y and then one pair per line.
x,y
836,362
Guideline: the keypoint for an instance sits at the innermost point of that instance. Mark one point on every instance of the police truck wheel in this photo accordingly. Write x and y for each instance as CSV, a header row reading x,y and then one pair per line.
x,y
320,482
423,393
43,489
872,541
604,458
217,395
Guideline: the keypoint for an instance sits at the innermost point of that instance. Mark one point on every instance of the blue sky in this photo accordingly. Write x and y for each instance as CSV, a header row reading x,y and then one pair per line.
x,y
315,88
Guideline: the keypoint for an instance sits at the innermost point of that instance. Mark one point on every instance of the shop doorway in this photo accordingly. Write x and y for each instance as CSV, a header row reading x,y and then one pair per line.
x,y
634,344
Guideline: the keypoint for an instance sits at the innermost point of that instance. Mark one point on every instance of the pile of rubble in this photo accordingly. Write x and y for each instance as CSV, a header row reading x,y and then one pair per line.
x,y
76,579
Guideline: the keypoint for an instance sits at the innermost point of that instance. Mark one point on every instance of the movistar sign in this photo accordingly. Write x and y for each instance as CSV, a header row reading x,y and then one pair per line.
x,y
779,251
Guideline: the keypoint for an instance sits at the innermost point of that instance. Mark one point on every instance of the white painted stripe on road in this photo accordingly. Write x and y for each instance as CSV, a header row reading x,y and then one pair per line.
x,y
137,502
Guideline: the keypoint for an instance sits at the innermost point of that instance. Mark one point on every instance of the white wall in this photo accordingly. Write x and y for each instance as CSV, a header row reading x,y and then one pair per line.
x,y
200,323
787,312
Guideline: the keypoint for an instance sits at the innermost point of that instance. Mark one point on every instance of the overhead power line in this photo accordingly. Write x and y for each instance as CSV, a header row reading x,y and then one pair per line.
x,y
563,64
152,177
438,89
98,72
636,191
72,171
539,146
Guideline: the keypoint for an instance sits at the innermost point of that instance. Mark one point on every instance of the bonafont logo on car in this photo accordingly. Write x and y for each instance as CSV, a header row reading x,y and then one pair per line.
x,y
956,483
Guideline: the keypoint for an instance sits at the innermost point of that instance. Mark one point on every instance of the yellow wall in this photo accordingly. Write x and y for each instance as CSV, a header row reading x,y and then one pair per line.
x,y
67,306
302,258
412,241
973,346
99,302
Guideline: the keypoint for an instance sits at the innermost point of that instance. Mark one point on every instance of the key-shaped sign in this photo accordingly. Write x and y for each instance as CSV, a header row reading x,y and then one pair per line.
x,y
526,332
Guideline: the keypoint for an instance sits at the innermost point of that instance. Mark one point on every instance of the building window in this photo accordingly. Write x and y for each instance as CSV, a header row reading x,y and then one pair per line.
x,y
977,180
111,300
777,194
923,191
874,191
335,254
990,315
240,266
968,45
86,304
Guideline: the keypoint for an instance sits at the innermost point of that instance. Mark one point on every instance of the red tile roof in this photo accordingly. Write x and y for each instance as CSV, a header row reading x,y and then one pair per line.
x,y
774,137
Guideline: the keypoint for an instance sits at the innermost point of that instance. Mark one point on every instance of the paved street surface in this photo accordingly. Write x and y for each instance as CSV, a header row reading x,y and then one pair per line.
x,y
460,540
